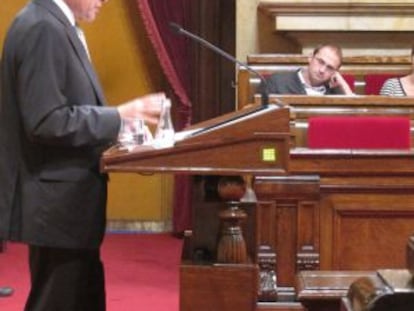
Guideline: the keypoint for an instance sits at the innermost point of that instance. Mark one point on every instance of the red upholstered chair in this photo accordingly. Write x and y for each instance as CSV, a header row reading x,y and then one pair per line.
x,y
350,79
374,82
353,132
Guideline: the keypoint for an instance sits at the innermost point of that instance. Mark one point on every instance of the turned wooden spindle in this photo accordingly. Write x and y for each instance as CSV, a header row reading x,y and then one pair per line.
x,y
232,246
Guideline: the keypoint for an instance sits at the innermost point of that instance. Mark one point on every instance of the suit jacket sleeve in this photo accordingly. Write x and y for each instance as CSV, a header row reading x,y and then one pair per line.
x,y
57,101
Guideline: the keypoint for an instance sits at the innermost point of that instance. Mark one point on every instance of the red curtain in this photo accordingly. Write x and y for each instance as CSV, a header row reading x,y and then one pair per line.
x,y
173,54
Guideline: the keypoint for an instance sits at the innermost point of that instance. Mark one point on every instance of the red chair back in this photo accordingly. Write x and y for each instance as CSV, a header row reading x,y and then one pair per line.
x,y
350,132
374,82
350,79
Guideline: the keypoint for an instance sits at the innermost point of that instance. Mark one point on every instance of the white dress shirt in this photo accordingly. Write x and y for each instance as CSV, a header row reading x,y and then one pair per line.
x,y
71,17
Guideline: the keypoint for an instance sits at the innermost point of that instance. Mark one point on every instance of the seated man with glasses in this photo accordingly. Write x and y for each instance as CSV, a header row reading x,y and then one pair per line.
x,y
320,77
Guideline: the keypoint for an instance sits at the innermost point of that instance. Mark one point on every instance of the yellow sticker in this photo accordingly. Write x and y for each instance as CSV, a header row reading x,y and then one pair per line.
x,y
269,155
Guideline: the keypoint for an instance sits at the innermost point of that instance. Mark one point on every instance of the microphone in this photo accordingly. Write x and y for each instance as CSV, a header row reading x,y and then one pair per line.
x,y
181,31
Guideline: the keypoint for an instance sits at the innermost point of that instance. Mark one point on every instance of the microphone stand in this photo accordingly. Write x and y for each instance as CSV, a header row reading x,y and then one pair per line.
x,y
179,30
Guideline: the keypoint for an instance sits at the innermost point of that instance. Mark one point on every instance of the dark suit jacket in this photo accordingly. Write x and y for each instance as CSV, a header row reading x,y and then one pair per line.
x,y
289,83
53,129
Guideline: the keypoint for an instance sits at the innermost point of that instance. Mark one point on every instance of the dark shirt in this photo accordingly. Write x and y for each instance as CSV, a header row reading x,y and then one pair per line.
x,y
289,83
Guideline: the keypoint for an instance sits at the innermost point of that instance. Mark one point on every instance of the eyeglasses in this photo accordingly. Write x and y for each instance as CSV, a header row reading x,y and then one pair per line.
x,y
322,63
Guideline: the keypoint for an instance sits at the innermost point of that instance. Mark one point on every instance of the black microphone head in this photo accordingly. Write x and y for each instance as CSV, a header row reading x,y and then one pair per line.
x,y
175,27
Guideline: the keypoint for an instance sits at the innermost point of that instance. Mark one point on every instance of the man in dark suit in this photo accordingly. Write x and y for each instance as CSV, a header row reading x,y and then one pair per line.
x,y
54,125
320,77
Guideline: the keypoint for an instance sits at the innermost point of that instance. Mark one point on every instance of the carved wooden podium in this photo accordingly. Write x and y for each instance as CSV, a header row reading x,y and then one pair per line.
x,y
252,141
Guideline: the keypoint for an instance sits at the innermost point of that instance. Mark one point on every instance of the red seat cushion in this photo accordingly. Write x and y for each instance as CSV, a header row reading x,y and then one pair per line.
x,y
371,132
374,82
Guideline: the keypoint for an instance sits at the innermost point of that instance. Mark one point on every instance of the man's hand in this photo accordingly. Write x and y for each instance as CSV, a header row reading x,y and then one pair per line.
x,y
147,108
337,80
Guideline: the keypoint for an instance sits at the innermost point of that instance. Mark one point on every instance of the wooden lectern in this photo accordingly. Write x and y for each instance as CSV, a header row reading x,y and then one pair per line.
x,y
251,141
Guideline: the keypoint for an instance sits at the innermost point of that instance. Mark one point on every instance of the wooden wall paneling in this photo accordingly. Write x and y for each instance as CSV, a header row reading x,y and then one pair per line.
x,y
268,223
213,88
308,255
218,287
287,237
365,221
290,219
371,230
355,216
266,250
325,230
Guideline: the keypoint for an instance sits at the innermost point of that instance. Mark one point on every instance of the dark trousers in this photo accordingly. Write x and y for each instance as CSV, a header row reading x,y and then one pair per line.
x,y
2,246
65,280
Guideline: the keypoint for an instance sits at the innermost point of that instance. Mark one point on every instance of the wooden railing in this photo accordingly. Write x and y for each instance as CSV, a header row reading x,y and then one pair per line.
x,y
303,107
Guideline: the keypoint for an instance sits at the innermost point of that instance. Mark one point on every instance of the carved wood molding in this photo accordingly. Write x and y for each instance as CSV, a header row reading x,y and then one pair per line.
x,y
267,273
334,8
307,258
345,18
348,60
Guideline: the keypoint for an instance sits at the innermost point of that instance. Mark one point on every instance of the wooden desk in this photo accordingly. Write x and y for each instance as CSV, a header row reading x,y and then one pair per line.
x,y
323,290
338,210
332,198
391,289
303,107
395,292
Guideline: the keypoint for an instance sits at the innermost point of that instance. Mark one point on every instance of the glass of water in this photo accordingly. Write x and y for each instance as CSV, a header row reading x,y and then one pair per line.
x,y
132,133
